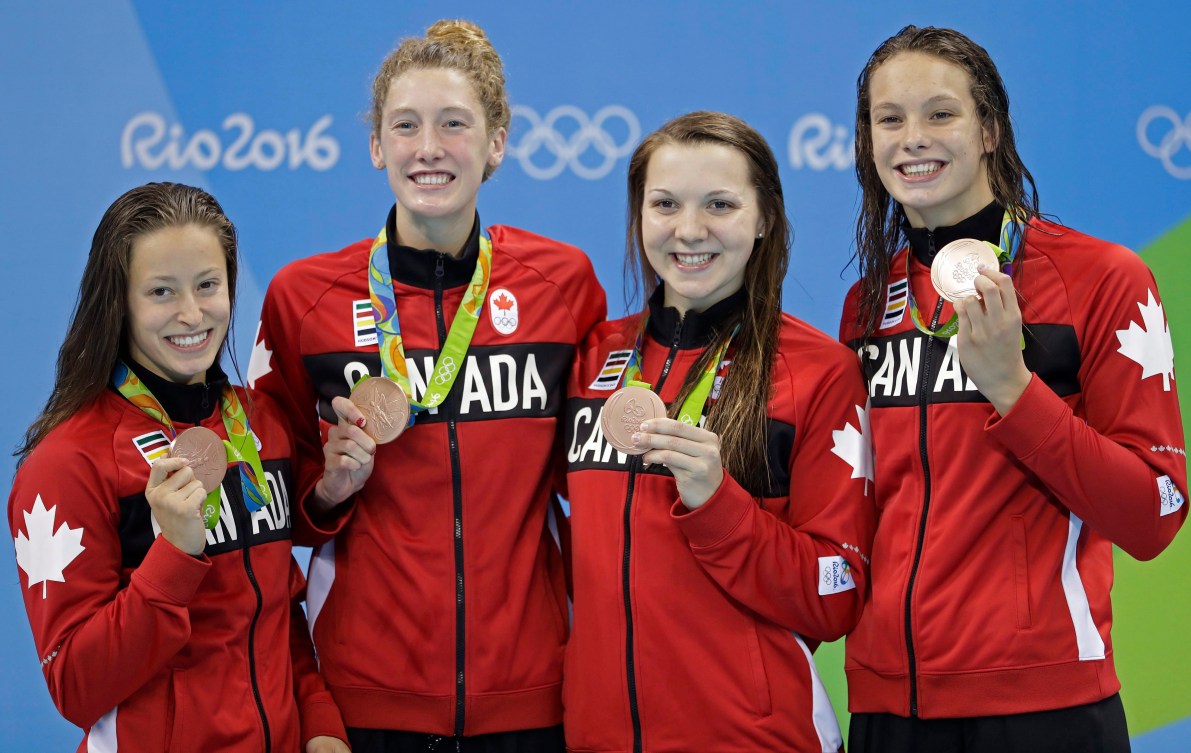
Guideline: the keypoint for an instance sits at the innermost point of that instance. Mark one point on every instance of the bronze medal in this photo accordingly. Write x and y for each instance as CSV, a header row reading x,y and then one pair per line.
x,y
955,267
206,453
384,405
623,413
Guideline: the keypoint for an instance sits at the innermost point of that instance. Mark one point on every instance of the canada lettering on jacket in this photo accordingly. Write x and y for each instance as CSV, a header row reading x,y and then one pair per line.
x,y
587,449
515,381
138,527
896,366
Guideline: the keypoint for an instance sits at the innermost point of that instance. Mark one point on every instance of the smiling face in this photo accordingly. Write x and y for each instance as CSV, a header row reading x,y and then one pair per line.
x,y
700,217
433,142
178,302
929,146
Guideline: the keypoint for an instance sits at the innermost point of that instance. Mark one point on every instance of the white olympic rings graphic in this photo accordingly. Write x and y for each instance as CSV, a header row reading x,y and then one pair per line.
x,y
567,151
1178,137
446,368
504,321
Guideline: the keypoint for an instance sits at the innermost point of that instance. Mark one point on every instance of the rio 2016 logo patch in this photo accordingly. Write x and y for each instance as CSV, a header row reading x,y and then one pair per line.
x,y
835,575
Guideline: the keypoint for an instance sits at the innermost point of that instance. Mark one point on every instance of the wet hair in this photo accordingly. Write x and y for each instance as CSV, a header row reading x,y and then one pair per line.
x,y
97,335
739,415
878,227
457,45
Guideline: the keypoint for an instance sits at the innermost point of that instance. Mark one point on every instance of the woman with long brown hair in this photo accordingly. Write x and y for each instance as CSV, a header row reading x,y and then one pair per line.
x,y
1024,420
719,541
151,510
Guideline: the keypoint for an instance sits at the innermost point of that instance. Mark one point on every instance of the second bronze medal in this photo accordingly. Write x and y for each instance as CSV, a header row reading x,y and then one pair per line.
x,y
623,414
385,408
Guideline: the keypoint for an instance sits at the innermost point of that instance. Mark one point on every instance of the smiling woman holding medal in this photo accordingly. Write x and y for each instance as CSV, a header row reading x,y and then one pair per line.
x,y
716,542
150,510
437,594
1024,420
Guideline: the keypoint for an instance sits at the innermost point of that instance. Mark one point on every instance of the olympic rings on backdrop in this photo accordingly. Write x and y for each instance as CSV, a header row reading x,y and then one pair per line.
x,y
1172,141
568,151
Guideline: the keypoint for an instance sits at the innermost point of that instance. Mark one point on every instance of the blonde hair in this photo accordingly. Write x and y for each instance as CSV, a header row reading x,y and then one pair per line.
x,y
456,45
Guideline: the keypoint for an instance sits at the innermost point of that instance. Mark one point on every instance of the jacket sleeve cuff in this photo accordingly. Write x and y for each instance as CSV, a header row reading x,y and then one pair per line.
x,y
172,572
323,527
1031,421
710,524
321,718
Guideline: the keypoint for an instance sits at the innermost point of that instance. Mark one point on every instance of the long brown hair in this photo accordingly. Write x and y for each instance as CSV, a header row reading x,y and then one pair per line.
x,y
97,334
878,227
739,416
457,45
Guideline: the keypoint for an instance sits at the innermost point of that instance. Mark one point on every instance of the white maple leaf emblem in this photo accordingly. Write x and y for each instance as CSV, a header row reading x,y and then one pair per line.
x,y
1149,343
856,447
258,364
44,554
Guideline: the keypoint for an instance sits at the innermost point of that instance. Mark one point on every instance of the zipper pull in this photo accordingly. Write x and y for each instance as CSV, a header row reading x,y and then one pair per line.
x,y
438,268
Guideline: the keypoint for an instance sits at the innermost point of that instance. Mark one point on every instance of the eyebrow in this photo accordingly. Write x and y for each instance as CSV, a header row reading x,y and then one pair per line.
x,y
172,278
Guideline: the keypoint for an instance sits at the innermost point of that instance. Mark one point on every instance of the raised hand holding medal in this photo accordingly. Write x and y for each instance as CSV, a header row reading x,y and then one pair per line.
x,y
634,421
199,451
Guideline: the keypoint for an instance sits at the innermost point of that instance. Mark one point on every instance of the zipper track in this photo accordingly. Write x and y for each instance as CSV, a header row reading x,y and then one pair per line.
x,y
634,466
457,533
923,402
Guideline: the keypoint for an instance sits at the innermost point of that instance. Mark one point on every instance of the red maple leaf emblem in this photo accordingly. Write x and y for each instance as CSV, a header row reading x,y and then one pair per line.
x,y
503,302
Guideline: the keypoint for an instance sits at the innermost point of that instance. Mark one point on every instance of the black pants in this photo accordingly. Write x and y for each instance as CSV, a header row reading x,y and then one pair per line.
x,y
1094,728
546,740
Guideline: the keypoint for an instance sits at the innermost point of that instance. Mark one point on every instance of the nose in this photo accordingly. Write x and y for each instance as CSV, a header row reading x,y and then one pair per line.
x,y
690,227
429,145
190,313
915,135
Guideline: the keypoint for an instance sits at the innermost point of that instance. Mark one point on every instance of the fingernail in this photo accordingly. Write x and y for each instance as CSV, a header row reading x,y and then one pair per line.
x,y
636,439
645,426
361,422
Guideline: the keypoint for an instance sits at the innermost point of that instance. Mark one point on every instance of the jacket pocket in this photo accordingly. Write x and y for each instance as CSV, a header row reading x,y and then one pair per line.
x,y
1021,572
761,698
174,735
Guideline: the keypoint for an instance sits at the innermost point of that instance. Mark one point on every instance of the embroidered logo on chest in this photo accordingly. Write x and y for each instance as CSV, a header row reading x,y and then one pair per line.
x,y
504,311
611,371
363,323
895,303
152,446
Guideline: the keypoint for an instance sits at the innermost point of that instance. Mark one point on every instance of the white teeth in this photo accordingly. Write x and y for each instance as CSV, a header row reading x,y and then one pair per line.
x,y
189,341
923,169
437,179
693,260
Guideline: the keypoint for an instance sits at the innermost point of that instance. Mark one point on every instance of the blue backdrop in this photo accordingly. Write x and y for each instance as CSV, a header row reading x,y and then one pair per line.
x,y
263,105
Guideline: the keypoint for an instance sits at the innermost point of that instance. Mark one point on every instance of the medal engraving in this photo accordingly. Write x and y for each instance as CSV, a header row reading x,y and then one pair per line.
x,y
206,453
384,405
956,267
623,414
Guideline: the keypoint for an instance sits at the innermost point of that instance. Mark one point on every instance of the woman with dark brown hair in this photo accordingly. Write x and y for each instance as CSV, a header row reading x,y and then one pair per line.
x,y
719,541
1024,421
151,510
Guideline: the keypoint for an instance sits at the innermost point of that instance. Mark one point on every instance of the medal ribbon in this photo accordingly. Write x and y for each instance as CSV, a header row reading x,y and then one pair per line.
x,y
1012,232
388,328
695,405
240,444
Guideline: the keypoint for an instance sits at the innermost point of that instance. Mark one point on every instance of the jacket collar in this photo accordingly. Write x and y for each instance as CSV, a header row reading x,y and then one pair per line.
x,y
698,328
418,267
985,225
184,403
